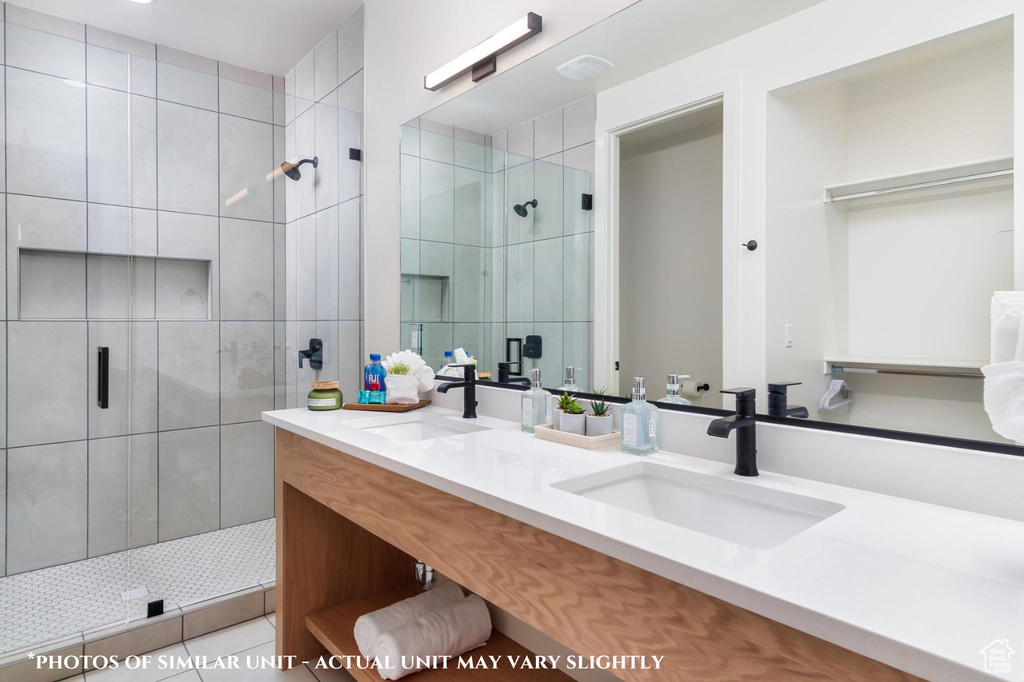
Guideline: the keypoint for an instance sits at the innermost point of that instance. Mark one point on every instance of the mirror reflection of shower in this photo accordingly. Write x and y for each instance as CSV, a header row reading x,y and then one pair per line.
x,y
521,209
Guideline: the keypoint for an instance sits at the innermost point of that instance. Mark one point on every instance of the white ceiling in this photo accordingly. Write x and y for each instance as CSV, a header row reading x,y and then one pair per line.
x,y
266,35
641,38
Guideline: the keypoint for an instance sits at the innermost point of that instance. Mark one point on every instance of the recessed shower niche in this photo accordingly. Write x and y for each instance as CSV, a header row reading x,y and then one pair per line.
x,y
67,285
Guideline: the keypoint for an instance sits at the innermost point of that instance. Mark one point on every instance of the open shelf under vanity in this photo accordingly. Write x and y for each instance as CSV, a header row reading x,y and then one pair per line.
x,y
333,627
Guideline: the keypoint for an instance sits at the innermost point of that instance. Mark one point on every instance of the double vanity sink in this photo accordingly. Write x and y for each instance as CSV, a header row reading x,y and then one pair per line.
x,y
863,572
733,509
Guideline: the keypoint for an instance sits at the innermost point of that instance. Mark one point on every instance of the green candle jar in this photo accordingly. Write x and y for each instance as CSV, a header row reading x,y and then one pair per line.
x,y
324,396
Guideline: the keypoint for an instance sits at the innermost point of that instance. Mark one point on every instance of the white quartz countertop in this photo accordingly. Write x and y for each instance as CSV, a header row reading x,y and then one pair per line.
x,y
921,587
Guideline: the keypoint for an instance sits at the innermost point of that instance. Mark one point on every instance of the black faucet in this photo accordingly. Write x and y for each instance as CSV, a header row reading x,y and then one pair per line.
x,y
505,375
777,401
744,423
468,383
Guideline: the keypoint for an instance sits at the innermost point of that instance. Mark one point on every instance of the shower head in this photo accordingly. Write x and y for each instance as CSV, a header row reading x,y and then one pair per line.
x,y
292,169
521,210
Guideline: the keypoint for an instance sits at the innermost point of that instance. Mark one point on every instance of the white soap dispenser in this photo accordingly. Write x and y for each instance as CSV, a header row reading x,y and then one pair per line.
x,y
639,423
536,406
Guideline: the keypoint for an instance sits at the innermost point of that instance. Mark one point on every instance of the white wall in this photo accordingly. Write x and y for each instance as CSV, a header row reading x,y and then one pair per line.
x,y
821,39
900,277
405,40
670,261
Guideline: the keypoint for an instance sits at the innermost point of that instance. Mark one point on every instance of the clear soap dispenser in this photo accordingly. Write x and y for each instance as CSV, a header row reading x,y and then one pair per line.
x,y
639,423
672,396
536,406
570,380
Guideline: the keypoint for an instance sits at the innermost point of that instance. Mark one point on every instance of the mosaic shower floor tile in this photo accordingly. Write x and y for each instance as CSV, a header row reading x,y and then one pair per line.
x,y
61,601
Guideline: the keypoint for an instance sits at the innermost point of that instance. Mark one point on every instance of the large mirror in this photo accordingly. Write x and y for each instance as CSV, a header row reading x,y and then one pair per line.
x,y
887,228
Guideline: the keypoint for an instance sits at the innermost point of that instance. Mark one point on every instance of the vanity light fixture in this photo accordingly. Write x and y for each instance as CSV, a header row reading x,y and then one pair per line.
x,y
482,60
143,2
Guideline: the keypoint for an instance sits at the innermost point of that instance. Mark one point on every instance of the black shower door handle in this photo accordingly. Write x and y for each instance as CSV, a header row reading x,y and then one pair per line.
x,y
103,377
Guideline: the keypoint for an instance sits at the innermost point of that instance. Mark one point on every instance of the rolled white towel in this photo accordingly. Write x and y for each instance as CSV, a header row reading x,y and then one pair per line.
x,y
1006,317
1004,398
448,631
369,626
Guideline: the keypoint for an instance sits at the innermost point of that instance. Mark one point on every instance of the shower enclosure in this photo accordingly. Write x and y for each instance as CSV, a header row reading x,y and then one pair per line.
x,y
159,286
495,246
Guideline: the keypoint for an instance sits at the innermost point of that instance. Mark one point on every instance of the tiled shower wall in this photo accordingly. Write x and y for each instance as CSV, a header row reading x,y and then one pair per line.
x,y
323,115
507,275
116,147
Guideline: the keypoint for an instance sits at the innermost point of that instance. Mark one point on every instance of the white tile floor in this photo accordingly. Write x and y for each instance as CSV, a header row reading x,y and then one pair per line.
x,y
56,602
250,639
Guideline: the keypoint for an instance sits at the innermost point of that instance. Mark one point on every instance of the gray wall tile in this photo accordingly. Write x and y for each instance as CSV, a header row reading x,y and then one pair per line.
x,y
326,150
246,156
350,126
37,415
187,164
349,260
246,100
3,512
437,147
437,206
305,252
45,52
578,122
547,280
469,296
470,192
520,140
52,285
108,148
107,67
185,86
547,217
189,374
576,270
144,157
548,134
143,76
22,16
182,289
107,287
305,148
108,493
45,136
410,191
247,270
46,505
189,465
325,66
120,43
350,358
350,45
247,473
246,370
327,264
145,373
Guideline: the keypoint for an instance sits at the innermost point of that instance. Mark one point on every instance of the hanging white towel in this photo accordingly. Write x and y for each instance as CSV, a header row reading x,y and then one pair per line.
x,y
369,626
1006,317
1004,398
448,631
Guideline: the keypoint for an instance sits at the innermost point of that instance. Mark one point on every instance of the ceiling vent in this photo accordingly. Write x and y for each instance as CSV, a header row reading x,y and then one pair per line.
x,y
585,67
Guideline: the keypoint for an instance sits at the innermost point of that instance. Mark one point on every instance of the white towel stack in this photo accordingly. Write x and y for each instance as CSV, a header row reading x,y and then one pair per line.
x,y
370,626
439,622
1004,377
448,631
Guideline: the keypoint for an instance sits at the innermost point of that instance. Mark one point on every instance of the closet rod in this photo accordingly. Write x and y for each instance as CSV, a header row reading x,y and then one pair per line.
x,y
922,185
909,372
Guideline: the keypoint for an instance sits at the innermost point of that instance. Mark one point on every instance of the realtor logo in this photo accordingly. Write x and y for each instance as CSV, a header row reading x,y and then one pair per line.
x,y
997,657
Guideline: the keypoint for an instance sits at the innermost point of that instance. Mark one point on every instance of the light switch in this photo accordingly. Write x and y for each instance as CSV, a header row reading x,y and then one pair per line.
x,y
789,336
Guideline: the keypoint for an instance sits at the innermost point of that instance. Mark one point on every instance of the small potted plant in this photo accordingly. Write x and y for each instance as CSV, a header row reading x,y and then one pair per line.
x,y
574,418
599,423
403,387
561,406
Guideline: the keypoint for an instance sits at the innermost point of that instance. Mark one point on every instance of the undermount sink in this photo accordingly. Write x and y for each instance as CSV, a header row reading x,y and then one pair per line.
x,y
733,510
411,428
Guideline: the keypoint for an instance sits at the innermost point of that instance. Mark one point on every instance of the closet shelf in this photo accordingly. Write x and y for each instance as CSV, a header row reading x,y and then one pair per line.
x,y
908,366
333,628
983,169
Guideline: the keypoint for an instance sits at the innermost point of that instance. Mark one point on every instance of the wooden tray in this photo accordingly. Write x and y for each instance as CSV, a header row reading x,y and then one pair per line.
x,y
333,627
547,432
385,407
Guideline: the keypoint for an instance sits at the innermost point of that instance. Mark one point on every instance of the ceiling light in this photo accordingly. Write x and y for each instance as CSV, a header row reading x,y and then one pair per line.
x,y
143,2
584,67
482,59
